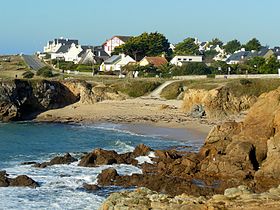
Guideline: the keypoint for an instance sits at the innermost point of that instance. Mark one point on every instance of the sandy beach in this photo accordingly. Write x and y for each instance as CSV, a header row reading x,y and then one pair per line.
x,y
145,111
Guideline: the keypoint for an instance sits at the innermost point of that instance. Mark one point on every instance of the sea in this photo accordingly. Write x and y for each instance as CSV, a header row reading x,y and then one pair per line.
x,y
61,185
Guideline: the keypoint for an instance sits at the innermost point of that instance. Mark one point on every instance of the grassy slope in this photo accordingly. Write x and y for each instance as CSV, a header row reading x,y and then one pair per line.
x,y
251,87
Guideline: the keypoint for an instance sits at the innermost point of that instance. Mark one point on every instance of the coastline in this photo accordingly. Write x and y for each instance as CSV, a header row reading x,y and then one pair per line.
x,y
136,115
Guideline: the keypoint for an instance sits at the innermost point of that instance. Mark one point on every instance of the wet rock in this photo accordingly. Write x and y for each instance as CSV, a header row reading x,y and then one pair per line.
x,y
141,150
107,176
66,159
23,181
91,187
106,157
4,181
29,163
20,181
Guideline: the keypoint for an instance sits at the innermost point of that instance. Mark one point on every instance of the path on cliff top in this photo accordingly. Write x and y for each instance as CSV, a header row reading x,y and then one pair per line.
x,y
155,94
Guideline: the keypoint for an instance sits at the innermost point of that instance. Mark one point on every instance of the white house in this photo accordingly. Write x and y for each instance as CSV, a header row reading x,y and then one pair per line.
x,y
180,60
114,42
116,62
87,57
53,46
68,53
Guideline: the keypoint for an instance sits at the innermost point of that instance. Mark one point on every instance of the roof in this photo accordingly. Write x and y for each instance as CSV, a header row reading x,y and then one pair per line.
x,y
156,61
66,41
100,52
113,59
240,56
84,49
124,38
262,52
63,49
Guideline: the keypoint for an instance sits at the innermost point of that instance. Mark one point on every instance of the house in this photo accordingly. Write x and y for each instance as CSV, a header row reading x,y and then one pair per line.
x,y
155,61
239,56
87,56
179,60
278,55
264,52
68,53
53,46
116,62
100,53
114,42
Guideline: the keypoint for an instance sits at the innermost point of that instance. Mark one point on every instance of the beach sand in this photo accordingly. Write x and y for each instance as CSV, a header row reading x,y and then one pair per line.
x,y
144,111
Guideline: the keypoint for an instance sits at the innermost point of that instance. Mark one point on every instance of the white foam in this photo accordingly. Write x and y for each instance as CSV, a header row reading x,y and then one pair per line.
x,y
146,159
60,187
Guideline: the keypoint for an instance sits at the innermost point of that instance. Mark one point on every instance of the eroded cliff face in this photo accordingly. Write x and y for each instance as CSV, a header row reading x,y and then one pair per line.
x,y
23,99
20,99
250,148
92,93
218,103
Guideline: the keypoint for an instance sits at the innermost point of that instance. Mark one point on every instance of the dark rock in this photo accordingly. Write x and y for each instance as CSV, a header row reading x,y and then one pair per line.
x,y
106,157
28,163
21,99
91,187
4,182
107,176
141,150
23,181
66,159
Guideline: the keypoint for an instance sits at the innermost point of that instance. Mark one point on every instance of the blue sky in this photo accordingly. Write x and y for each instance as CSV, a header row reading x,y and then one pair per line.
x,y
26,25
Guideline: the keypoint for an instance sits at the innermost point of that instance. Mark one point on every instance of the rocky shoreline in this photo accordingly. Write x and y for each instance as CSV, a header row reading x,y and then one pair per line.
x,y
235,153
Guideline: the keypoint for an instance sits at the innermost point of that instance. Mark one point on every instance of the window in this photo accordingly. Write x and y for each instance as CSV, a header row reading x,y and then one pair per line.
x,y
179,59
190,59
184,59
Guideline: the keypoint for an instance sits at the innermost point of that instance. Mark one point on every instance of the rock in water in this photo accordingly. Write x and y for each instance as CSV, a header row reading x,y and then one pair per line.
x,y
107,176
91,187
23,181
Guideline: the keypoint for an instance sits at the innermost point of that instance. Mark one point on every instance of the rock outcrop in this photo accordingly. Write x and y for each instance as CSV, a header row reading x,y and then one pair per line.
x,y
234,198
92,93
218,103
249,149
19,181
20,99
66,159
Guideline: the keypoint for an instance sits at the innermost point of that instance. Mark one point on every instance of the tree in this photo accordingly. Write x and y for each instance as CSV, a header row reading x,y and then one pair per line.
x,y
253,44
271,66
187,47
191,69
232,46
219,67
256,62
147,44
216,42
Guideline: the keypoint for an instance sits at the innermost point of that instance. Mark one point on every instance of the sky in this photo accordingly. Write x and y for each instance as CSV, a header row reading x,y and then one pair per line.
x,y
27,25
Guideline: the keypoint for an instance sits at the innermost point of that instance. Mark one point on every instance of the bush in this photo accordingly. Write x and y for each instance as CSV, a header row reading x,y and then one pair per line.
x,y
136,88
245,82
28,75
192,69
45,72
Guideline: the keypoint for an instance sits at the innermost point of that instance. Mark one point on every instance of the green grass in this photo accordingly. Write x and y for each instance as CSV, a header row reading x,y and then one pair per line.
x,y
239,87
136,88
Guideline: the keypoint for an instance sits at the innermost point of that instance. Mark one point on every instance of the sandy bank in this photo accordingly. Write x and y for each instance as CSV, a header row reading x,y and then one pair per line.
x,y
143,111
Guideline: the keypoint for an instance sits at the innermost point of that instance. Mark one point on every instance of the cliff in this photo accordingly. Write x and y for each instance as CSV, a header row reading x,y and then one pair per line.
x,y
218,103
21,99
24,99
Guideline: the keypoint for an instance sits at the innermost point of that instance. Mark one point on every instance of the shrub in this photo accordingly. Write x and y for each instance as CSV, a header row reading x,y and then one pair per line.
x,y
45,72
245,82
192,69
28,75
